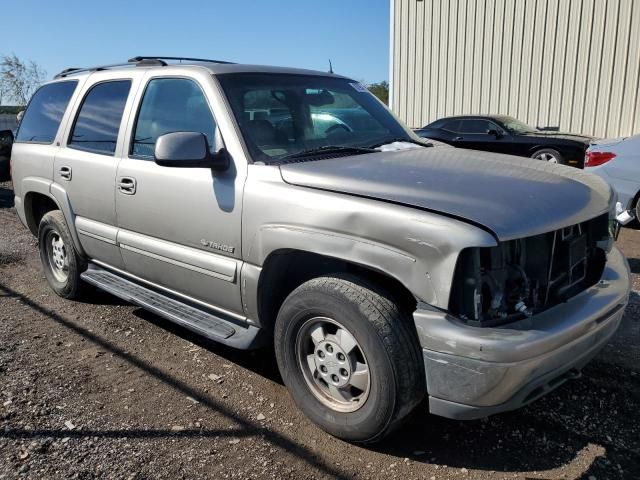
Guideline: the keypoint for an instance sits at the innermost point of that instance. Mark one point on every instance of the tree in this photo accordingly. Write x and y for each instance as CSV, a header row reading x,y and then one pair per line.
x,y
19,79
380,90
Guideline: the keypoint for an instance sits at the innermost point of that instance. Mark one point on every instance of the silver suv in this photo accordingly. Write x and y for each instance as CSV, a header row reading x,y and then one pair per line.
x,y
258,205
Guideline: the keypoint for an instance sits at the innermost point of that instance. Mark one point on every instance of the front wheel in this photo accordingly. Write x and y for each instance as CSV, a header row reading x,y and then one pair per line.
x,y
350,357
548,155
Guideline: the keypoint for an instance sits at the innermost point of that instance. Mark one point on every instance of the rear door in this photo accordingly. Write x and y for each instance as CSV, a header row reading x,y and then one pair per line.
x,y
179,228
85,166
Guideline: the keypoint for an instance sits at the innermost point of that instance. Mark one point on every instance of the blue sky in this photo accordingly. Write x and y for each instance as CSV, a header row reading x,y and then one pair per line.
x,y
300,33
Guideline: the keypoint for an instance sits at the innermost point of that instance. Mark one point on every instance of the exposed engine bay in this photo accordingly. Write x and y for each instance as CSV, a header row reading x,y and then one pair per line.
x,y
522,277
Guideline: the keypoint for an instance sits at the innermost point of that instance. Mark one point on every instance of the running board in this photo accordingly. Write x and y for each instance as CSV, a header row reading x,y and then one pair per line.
x,y
198,320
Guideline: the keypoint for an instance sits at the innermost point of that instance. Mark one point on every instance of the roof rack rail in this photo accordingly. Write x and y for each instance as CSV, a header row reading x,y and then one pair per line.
x,y
141,61
145,62
188,59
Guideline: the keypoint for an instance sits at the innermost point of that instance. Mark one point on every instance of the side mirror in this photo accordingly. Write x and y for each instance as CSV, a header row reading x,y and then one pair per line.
x,y
494,132
188,150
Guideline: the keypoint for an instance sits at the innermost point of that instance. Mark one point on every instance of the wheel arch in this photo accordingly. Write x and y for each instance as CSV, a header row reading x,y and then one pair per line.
x,y
286,269
38,201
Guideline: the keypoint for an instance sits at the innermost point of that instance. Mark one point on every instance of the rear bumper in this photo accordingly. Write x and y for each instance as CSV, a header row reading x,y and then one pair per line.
x,y
474,372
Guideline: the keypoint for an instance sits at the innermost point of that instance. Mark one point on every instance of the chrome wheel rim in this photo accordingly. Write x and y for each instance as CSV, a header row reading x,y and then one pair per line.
x,y
547,157
57,256
333,364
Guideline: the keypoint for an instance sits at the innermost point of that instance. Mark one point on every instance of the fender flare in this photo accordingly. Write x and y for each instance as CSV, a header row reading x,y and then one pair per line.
x,y
270,239
59,196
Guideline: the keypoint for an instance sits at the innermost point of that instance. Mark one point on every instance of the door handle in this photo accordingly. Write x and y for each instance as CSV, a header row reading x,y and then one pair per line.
x,y
65,172
127,185
456,139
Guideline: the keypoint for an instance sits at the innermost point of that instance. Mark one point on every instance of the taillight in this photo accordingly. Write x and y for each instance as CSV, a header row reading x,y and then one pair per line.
x,y
593,159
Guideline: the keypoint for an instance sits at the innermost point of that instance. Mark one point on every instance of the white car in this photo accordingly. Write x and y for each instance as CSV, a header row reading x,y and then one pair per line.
x,y
618,162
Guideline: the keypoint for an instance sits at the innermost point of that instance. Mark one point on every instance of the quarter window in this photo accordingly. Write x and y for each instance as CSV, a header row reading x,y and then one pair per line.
x,y
171,105
98,122
42,119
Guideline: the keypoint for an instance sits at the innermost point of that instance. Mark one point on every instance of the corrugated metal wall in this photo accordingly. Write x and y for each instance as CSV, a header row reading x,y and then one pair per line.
x,y
568,63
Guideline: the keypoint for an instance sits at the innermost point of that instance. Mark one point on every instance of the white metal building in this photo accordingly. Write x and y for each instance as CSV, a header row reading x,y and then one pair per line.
x,y
568,63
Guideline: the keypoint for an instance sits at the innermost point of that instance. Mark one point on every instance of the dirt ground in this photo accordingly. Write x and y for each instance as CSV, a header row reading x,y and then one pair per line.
x,y
102,389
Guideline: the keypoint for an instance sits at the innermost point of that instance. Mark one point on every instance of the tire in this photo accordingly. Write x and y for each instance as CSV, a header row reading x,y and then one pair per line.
x,y
61,263
386,342
548,155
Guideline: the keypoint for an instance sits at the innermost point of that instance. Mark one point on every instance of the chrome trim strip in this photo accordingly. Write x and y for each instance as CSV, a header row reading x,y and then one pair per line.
x,y
197,260
177,263
97,237
98,230
172,292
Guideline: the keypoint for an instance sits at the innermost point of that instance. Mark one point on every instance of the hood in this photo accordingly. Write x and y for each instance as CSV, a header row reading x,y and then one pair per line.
x,y
512,197
561,136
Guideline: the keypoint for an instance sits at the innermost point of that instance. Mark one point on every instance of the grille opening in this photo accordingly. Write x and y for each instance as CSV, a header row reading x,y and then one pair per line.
x,y
519,278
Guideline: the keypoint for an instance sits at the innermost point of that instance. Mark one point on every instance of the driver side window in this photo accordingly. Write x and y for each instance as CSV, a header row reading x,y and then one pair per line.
x,y
171,105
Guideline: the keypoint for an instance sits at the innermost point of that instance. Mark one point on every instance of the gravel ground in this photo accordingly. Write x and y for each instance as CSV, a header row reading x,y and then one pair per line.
x,y
102,389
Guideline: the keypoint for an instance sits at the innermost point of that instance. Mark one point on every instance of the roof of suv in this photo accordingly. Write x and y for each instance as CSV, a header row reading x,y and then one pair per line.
x,y
216,67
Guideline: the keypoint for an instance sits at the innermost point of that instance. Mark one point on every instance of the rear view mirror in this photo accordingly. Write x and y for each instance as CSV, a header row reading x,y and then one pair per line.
x,y
188,150
494,132
319,98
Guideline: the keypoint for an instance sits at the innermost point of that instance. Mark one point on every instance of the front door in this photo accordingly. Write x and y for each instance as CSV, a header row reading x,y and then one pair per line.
x,y
85,166
474,134
179,228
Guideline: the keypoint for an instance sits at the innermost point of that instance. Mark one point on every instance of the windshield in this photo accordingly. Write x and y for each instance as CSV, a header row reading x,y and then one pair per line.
x,y
516,126
281,115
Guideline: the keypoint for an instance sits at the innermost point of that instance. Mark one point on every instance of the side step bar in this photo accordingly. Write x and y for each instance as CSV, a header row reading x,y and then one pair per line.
x,y
198,320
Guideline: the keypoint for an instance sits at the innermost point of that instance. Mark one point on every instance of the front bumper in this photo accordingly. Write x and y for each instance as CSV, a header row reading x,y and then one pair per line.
x,y
473,372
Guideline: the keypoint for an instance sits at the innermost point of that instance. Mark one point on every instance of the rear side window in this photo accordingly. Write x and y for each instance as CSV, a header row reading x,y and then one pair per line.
x,y
98,121
43,116
476,126
171,105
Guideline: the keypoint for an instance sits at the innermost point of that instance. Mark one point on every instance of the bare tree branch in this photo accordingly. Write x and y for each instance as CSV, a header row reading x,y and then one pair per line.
x,y
19,79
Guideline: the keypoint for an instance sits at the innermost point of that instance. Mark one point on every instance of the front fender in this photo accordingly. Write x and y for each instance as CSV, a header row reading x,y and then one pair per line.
x,y
396,263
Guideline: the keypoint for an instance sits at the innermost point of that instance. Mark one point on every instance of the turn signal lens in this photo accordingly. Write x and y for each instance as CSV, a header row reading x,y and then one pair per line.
x,y
593,159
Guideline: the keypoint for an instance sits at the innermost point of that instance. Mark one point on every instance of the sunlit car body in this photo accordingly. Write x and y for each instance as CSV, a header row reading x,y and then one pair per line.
x,y
503,134
618,162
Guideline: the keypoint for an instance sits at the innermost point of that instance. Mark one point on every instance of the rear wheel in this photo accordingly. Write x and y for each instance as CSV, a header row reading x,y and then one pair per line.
x,y
61,263
350,357
548,155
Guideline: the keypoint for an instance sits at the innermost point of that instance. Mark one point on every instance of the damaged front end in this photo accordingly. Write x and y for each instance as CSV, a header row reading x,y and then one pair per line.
x,y
520,278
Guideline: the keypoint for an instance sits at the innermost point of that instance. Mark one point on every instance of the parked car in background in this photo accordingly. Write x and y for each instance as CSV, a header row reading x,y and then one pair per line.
x,y
6,140
503,134
618,162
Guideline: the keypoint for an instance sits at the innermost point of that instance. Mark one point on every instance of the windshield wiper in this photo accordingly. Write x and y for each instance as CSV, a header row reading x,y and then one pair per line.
x,y
405,140
328,149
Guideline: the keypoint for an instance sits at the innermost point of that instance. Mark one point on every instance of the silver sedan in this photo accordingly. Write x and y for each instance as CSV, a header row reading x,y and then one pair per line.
x,y
618,162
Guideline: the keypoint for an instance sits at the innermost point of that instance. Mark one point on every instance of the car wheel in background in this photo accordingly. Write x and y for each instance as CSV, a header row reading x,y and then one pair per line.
x,y
349,356
61,263
548,155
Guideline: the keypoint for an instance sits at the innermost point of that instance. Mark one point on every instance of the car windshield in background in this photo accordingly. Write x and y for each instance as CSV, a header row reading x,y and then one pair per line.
x,y
516,126
283,115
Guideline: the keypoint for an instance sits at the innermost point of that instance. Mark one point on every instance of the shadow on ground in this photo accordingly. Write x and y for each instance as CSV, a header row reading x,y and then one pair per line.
x,y
549,434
